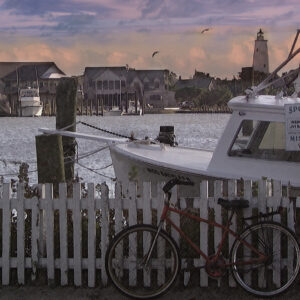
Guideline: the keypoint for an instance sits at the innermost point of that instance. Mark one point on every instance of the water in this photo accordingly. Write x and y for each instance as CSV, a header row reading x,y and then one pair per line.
x,y
17,137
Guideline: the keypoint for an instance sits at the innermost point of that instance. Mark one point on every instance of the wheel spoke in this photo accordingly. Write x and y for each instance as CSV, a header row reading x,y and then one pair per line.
x,y
127,254
278,271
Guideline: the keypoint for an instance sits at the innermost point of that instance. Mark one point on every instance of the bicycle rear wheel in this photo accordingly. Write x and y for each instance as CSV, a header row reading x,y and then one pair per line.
x,y
277,273
125,262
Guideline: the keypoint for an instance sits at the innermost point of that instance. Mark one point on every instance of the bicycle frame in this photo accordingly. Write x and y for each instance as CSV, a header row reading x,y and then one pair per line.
x,y
226,231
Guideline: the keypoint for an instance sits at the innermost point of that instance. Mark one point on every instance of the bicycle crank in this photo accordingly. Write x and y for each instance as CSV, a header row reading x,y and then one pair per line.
x,y
215,267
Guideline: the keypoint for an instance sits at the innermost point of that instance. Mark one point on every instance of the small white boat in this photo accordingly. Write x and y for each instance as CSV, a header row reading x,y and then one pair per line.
x,y
114,111
30,103
253,145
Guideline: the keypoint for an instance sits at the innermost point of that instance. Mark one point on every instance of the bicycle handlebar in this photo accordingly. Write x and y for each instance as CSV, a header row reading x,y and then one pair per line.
x,y
175,181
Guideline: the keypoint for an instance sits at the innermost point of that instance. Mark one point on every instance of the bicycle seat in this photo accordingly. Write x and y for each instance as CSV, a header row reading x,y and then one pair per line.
x,y
233,204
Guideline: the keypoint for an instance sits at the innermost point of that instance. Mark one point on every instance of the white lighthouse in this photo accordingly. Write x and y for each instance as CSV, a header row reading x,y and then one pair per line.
x,y
260,56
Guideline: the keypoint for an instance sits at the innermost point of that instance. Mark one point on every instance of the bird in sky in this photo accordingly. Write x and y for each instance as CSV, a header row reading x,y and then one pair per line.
x,y
206,29
154,53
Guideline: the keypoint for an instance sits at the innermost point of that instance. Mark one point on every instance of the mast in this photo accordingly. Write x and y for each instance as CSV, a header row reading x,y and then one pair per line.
x,y
18,93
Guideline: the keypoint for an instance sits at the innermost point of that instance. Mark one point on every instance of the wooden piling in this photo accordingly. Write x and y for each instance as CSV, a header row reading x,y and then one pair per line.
x,y
50,160
66,117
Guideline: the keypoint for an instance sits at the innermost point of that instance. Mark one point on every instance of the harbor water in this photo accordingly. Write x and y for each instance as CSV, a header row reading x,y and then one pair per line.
x,y
17,137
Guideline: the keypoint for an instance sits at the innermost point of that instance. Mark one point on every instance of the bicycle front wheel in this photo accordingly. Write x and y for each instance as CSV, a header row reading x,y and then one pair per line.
x,y
279,269
130,270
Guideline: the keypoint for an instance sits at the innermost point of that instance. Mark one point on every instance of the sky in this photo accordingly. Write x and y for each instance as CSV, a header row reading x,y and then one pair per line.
x,y
82,33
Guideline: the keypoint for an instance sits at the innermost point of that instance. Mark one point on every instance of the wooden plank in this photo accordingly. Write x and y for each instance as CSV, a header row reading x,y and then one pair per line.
x,y
147,219
203,230
104,229
262,203
34,236
77,234
50,233
20,234
6,234
218,192
91,236
247,212
232,194
63,234
133,238
160,243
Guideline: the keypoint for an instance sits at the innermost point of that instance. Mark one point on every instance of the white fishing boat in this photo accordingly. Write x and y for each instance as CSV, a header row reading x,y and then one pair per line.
x,y
30,103
253,144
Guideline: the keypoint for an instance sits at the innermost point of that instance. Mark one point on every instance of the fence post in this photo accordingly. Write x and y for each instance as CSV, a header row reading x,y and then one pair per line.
x,y
77,234
6,227
63,233
91,235
104,229
20,235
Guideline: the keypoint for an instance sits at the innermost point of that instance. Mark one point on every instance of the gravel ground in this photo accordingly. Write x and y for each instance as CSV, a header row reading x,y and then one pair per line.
x,y
188,293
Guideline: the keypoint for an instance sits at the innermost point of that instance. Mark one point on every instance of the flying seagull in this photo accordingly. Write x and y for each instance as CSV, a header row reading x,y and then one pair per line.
x,y
154,53
206,29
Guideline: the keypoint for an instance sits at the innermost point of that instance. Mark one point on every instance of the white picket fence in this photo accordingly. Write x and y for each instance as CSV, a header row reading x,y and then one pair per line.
x,y
41,237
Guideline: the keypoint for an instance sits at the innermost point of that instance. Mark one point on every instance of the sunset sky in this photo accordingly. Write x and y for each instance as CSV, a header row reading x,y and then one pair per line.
x,y
80,33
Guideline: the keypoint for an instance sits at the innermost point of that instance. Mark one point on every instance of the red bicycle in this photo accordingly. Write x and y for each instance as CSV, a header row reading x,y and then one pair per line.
x,y
143,261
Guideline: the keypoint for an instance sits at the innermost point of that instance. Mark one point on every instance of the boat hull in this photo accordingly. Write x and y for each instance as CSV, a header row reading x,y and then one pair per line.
x,y
128,169
32,111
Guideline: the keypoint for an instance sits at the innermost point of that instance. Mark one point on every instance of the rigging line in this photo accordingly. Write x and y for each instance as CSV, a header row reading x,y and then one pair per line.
x,y
73,124
111,178
84,155
16,174
107,131
17,162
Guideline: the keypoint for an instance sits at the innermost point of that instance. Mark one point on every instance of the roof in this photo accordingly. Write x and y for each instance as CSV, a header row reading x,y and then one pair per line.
x,y
261,102
130,74
26,70
201,83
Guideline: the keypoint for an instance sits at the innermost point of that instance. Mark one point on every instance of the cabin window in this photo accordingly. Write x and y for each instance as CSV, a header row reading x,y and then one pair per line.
x,y
262,140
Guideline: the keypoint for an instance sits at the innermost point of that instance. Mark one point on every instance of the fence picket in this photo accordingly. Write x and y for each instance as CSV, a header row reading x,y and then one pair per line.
x,y
77,235
91,236
34,236
20,235
63,234
6,227
42,229
203,230
104,229
50,233
232,194
247,212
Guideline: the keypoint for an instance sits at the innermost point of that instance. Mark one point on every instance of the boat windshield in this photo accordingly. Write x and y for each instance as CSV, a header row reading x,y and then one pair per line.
x,y
262,140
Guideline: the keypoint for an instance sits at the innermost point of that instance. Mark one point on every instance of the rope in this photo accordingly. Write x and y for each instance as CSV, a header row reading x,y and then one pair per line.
x,y
109,132
83,166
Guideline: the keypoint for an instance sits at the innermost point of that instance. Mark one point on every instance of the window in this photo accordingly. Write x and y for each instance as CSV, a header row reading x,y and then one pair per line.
x,y
262,140
105,84
99,85
146,86
117,84
156,84
123,84
111,85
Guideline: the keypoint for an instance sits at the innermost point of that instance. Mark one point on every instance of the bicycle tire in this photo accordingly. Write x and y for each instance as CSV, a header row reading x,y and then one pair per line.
x,y
124,262
278,272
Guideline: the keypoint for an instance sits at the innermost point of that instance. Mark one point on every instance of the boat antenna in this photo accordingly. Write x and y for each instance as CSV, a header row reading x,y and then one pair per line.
x,y
267,82
37,79
18,92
